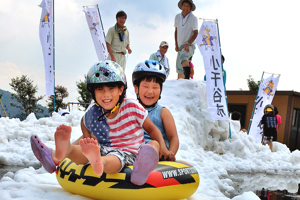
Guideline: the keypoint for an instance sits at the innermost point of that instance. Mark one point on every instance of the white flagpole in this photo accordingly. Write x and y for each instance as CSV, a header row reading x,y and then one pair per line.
x,y
53,60
100,19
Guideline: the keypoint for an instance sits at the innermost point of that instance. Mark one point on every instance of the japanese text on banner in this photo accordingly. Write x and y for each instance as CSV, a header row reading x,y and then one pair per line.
x,y
208,44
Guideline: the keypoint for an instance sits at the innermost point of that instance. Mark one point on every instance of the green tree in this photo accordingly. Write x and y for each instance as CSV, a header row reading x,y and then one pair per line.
x,y
25,94
252,84
60,93
85,95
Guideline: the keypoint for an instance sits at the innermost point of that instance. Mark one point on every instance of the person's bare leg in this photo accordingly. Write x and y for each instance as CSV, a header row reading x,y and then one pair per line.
x,y
91,150
180,76
62,143
270,145
155,145
111,164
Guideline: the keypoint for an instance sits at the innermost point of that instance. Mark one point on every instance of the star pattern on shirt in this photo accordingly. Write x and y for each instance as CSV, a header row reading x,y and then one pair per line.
x,y
100,129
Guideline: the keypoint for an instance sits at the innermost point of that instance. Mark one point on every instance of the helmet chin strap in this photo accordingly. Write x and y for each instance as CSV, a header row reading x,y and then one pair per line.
x,y
108,111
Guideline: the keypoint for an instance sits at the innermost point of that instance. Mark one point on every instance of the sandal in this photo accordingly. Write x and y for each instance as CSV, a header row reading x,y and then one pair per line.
x,y
144,164
42,153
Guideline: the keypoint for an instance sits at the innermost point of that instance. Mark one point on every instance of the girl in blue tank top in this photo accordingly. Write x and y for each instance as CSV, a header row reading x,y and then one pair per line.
x,y
148,78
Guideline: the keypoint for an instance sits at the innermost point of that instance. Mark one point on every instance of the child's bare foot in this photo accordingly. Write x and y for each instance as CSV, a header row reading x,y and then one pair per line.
x,y
91,150
62,141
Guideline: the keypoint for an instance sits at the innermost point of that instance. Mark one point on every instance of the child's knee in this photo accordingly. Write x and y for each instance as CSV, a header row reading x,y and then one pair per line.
x,y
155,145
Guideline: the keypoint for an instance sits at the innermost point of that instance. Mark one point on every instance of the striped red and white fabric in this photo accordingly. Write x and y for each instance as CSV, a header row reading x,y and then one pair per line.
x,y
126,132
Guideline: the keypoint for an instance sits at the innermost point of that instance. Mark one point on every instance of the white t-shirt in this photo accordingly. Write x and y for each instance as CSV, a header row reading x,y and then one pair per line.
x,y
185,27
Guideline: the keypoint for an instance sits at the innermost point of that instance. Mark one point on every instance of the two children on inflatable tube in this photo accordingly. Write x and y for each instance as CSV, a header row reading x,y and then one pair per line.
x,y
118,127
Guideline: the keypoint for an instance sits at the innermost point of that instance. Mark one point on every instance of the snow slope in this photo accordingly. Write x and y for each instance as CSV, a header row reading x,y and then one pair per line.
x,y
228,168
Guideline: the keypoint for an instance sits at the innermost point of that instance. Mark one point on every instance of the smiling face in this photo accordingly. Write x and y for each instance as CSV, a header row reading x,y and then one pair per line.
x,y
108,96
121,21
149,92
186,8
163,50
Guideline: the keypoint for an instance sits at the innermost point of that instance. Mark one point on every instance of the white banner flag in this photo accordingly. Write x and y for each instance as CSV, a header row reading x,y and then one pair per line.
x,y
46,38
208,44
264,97
95,27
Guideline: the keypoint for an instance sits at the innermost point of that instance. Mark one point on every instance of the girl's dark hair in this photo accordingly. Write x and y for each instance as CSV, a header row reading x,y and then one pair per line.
x,y
149,79
121,13
113,84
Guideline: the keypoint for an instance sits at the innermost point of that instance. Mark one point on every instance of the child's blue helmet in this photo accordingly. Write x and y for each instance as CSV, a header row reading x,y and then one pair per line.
x,y
105,71
148,68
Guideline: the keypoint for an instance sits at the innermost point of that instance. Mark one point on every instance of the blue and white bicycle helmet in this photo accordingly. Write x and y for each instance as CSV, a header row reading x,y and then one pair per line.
x,y
149,68
105,71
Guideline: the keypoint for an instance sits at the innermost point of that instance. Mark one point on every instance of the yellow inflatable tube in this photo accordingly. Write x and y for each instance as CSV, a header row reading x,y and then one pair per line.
x,y
169,180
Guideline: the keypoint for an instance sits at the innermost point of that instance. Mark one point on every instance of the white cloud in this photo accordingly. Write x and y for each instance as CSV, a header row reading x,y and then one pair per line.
x,y
7,72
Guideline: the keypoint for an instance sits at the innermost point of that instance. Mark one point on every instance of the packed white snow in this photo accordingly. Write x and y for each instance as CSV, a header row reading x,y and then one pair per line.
x,y
228,168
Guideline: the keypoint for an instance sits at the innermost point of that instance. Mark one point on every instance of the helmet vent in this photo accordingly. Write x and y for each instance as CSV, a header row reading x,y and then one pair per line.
x,y
97,74
106,74
147,64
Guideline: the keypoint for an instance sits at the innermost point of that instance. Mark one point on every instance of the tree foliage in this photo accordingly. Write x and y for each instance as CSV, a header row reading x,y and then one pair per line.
x,y
60,93
25,94
85,95
252,84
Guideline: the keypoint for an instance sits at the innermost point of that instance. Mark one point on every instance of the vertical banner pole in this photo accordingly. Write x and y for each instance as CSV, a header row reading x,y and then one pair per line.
x,y
100,19
223,81
261,80
53,59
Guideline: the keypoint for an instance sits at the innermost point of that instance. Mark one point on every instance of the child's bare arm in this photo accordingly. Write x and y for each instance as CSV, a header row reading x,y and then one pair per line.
x,y
192,72
155,134
170,128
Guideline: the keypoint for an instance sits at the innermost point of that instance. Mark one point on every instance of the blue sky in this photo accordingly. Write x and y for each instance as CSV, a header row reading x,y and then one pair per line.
x,y
256,36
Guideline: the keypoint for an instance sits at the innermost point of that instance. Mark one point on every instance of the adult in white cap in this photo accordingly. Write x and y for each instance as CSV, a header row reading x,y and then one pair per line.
x,y
161,57
186,31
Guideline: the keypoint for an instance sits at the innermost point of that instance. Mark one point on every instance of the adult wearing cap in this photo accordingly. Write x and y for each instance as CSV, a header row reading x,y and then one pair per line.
x,y
186,31
161,57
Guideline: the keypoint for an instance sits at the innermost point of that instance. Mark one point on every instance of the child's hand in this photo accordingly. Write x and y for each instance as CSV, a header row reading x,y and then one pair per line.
x,y
164,152
171,156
